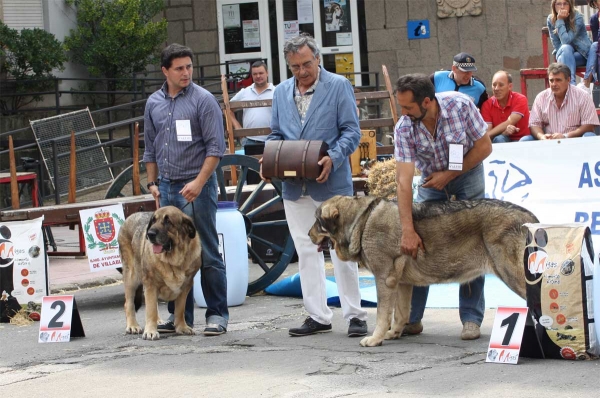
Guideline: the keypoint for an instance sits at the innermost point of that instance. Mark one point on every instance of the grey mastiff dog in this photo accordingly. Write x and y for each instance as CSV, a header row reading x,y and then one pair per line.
x,y
462,239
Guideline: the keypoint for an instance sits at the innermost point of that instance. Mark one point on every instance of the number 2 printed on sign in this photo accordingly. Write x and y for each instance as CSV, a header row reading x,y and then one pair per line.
x,y
55,324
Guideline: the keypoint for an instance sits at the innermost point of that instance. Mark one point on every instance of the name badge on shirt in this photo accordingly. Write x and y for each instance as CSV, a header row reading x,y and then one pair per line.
x,y
455,157
184,130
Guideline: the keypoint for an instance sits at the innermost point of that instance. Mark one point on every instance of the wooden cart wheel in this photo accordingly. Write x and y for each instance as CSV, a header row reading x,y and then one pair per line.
x,y
123,184
261,205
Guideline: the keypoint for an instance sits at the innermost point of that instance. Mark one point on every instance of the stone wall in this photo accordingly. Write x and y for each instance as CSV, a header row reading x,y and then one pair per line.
x,y
506,35
193,23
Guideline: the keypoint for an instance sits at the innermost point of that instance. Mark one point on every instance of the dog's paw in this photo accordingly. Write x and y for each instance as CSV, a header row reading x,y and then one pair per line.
x,y
151,335
370,342
133,329
391,335
184,330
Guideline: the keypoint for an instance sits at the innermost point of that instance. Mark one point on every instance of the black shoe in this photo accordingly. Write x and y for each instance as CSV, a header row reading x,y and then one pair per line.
x,y
212,329
166,327
310,326
357,328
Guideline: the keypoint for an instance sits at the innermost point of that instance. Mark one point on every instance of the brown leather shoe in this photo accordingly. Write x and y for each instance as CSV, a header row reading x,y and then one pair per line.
x,y
411,329
470,331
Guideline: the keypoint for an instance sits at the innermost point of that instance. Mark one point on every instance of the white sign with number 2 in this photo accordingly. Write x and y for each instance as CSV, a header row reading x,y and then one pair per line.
x,y
55,324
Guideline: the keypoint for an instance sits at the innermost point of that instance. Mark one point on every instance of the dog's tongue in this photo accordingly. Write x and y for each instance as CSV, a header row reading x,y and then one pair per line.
x,y
324,245
157,249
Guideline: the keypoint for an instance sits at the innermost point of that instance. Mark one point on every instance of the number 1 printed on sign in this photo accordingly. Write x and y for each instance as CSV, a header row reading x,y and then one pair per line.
x,y
507,334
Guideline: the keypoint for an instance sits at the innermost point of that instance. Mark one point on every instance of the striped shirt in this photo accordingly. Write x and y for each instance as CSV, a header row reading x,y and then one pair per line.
x,y
576,110
459,122
180,160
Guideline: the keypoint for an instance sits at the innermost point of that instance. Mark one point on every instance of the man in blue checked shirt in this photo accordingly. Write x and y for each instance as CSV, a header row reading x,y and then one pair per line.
x,y
444,136
183,132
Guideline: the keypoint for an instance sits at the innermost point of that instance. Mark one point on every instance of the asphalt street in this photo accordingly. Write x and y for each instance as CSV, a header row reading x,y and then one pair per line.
x,y
257,358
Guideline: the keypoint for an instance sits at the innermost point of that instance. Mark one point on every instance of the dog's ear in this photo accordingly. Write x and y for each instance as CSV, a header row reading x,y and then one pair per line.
x,y
188,227
330,212
354,240
355,244
152,221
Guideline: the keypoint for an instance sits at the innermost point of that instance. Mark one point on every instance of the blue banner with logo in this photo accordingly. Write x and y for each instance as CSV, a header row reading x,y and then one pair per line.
x,y
557,180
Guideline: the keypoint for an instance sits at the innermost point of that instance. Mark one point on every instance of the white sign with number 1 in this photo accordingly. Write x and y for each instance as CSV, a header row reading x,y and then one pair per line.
x,y
507,334
55,324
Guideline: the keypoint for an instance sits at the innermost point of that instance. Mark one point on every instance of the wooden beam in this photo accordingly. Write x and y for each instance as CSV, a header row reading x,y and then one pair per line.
x,y
250,104
229,125
372,95
388,86
14,185
238,133
135,179
385,150
72,170
237,105
374,123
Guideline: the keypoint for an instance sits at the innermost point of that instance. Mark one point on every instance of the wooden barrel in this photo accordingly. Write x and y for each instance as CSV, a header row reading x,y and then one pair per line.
x,y
293,159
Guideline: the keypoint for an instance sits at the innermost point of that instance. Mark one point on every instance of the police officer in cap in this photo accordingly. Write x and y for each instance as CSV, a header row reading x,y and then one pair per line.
x,y
461,79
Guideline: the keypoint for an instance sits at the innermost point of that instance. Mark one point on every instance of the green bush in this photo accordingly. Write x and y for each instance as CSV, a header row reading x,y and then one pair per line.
x,y
116,38
28,57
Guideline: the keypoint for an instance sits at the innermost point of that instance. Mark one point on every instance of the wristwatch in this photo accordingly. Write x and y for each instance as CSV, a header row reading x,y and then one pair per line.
x,y
151,183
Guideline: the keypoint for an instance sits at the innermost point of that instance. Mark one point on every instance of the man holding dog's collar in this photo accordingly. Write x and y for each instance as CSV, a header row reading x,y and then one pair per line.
x,y
317,105
444,136
183,129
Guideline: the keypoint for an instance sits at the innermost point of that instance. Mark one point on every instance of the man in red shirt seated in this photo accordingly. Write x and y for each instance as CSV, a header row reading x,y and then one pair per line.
x,y
507,112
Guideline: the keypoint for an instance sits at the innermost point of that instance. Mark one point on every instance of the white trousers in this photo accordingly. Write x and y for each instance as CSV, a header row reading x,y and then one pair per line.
x,y
300,215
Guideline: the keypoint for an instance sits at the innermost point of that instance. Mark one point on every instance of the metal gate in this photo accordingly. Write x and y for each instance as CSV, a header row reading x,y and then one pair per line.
x,y
90,172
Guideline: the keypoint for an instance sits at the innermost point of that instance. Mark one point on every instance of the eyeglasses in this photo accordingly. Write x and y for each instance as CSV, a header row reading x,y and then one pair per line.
x,y
561,3
305,66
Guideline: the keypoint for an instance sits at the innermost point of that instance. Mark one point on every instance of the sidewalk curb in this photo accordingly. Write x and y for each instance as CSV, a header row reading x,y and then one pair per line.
x,y
70,287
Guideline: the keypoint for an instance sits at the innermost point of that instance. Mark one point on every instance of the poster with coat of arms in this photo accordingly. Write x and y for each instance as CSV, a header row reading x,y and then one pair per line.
x,y
101,227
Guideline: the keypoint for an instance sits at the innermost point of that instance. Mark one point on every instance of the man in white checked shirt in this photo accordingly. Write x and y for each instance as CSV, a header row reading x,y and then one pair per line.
x,y
444,136
562,111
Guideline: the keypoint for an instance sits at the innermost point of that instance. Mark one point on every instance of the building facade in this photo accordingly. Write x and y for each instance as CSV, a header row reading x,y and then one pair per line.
x,y
356,36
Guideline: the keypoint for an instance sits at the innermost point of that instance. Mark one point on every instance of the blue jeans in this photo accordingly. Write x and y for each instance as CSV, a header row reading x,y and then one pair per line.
x,y
501,138
203,210
470,185
567,55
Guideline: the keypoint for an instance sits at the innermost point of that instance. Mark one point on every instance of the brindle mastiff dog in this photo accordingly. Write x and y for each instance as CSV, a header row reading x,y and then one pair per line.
x,y
462,240
161,252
